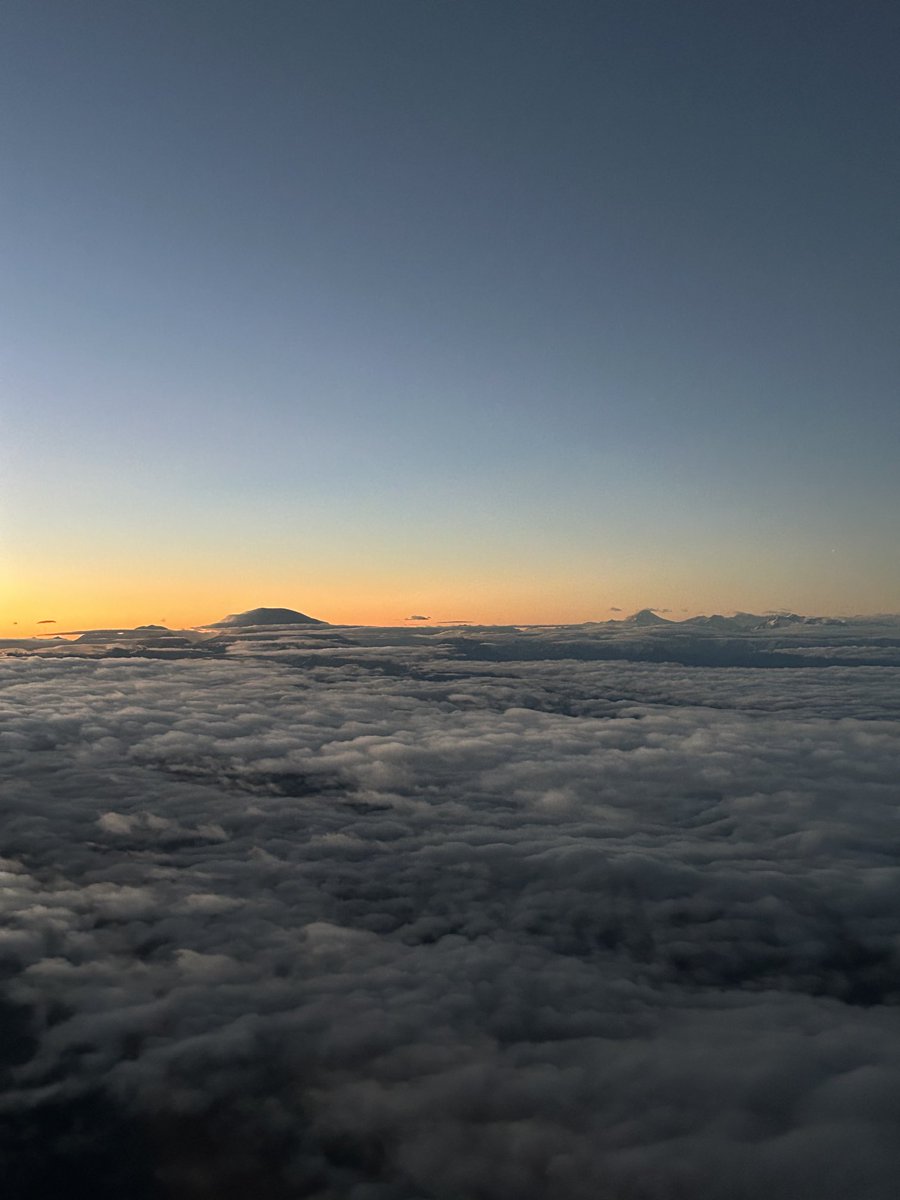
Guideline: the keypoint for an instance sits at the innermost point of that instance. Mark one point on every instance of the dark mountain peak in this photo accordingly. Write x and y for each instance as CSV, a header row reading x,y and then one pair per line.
x,y
266,616
647,617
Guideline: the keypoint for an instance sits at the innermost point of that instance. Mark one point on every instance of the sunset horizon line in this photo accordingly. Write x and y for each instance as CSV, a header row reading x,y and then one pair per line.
x,y
46,629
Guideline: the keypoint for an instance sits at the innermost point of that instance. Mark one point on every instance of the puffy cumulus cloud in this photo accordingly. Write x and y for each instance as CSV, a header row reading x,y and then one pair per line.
x,y
355,914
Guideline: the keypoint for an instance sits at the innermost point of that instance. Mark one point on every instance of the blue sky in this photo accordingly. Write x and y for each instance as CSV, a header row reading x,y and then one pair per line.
x,y
530,308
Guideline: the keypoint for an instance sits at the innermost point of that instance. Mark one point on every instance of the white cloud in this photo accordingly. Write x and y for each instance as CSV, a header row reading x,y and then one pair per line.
x,y
380,922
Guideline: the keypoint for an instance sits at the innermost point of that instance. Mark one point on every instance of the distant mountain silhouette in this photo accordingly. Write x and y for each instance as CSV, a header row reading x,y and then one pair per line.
x,y
266,616
145,635
740,620
646,617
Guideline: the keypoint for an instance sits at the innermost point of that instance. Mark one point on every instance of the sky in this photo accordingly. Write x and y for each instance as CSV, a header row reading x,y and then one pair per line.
x,y
485,311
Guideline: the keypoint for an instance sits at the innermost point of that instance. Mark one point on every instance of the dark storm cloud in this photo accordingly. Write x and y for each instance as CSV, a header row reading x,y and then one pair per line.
x,y
348,915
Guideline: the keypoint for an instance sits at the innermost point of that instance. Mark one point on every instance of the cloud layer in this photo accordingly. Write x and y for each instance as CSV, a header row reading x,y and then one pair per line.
x,y
368,916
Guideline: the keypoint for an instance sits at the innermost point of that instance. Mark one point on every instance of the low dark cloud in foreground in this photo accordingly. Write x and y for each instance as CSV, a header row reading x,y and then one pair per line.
x,y
356,915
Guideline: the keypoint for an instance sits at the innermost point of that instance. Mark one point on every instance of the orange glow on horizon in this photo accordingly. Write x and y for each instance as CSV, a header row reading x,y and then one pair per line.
x,y
183,606
185,599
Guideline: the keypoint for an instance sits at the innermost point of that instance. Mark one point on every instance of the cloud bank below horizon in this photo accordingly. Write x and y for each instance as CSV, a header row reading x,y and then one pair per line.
x,y
388,915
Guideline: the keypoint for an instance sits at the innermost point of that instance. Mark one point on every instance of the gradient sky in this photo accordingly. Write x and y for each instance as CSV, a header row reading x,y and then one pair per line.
x,y
498,311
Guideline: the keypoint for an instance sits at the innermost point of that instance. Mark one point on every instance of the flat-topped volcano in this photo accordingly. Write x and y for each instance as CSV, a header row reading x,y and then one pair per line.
x,y
266,616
